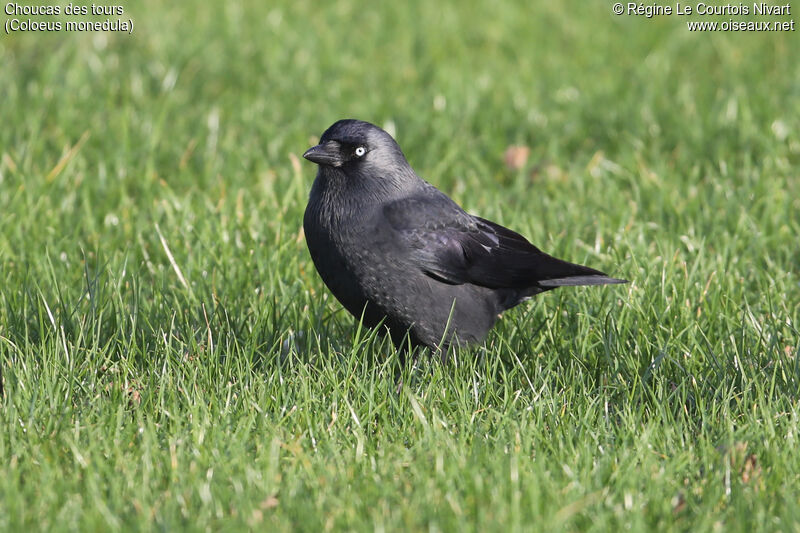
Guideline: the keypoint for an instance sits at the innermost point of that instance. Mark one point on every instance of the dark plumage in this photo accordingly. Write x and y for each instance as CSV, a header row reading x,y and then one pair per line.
x,y
394,249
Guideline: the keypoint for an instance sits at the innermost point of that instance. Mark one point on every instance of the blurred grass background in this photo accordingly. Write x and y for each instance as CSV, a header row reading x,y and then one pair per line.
x,y
171,359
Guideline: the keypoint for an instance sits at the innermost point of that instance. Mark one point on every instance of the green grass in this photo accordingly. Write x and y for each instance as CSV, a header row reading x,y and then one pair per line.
x,y
224,388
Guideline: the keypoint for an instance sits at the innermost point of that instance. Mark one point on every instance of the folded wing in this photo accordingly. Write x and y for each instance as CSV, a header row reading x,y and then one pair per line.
x,y
454,247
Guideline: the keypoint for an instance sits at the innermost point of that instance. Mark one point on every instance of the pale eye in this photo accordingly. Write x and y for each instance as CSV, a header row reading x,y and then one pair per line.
x,y
360,151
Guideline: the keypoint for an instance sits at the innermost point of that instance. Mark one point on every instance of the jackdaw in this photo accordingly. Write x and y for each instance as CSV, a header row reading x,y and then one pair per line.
x,y
397,251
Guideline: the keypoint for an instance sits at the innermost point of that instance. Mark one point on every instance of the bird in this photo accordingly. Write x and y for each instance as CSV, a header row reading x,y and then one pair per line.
x,y
399,254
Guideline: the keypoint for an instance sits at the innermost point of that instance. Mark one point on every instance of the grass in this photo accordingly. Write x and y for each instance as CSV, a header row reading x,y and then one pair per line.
x,y
171,360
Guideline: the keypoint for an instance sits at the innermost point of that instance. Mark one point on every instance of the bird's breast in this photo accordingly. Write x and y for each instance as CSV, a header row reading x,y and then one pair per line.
x,y
339,244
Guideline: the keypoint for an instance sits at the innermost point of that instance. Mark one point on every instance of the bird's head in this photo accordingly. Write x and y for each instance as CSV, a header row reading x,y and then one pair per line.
x,y
358,147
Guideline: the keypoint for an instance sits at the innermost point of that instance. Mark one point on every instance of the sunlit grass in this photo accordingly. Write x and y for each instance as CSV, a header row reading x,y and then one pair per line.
x,y
171,359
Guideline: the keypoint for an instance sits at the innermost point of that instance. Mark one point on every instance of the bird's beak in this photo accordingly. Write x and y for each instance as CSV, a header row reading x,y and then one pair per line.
x,y
327,153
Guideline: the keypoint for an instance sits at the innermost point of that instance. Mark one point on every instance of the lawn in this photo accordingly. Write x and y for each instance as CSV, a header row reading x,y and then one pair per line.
x,y
171,360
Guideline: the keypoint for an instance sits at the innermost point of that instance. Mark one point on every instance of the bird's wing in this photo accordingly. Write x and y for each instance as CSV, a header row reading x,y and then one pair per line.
x,y
452,246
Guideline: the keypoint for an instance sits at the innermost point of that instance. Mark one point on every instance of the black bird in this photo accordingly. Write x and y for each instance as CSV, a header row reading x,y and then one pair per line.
x,y
397,251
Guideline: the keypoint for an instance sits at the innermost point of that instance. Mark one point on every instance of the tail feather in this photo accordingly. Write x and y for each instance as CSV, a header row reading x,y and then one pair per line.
x,y
572,281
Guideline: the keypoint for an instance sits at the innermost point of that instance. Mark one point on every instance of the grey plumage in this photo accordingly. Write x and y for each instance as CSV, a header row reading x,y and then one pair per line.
x,y
394,249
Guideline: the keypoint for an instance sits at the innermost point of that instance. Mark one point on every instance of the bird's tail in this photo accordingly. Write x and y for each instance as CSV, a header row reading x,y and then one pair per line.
x,y
557,273
552,272
572,281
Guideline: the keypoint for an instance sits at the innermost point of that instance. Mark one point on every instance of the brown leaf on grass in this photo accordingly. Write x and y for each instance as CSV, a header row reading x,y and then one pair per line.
x,y
516,156
678,503
269,502
750,469
745,463
134,396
